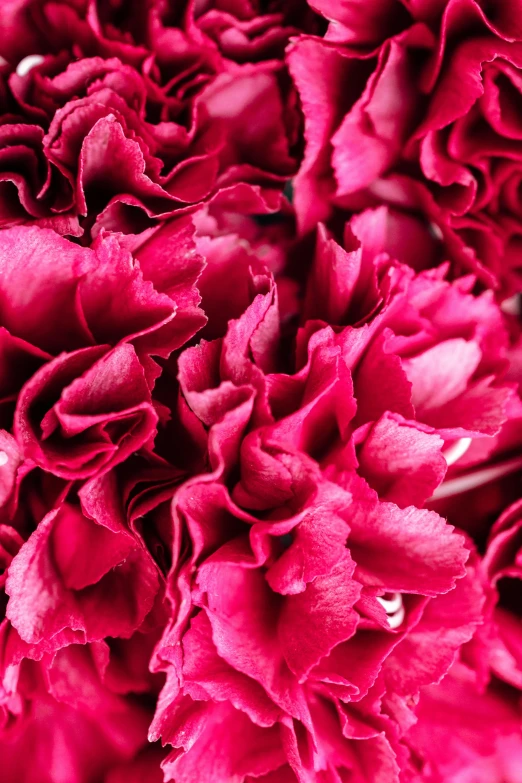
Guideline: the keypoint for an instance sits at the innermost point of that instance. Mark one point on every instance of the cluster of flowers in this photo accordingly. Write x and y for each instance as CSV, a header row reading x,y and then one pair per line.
x,y
260,391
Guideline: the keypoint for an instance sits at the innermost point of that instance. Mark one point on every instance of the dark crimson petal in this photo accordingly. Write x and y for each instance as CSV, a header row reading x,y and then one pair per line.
x,y
86,411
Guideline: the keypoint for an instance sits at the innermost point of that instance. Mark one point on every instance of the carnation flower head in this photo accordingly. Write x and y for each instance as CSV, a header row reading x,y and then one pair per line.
x,y
82,591
313,579
120,118
427,125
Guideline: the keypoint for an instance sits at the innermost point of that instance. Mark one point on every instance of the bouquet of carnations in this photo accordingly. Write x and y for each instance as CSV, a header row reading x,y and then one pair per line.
x,y
261,391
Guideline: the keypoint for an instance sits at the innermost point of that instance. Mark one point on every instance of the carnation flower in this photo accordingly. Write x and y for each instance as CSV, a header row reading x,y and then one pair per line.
x,y
83,593
207,31
485,682
84,397
147,122
428,123
486,678
484,480
313,582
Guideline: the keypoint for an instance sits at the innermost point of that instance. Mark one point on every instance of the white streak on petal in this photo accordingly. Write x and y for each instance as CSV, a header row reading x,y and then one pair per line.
x,y
390,605
396,619
456,450
394,609
476,478
435,231
4,459
512,306
28,63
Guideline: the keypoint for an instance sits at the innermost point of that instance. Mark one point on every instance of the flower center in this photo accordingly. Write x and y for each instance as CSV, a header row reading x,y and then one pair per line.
x,y
394,608
28,63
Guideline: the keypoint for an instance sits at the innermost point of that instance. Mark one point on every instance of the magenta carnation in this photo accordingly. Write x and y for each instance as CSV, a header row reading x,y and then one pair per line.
x,y
315,581
260,392
117,127
429,122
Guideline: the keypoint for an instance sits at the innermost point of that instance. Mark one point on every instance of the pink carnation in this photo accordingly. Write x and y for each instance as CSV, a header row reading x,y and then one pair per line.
x,y
119,125
428,122
313,585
